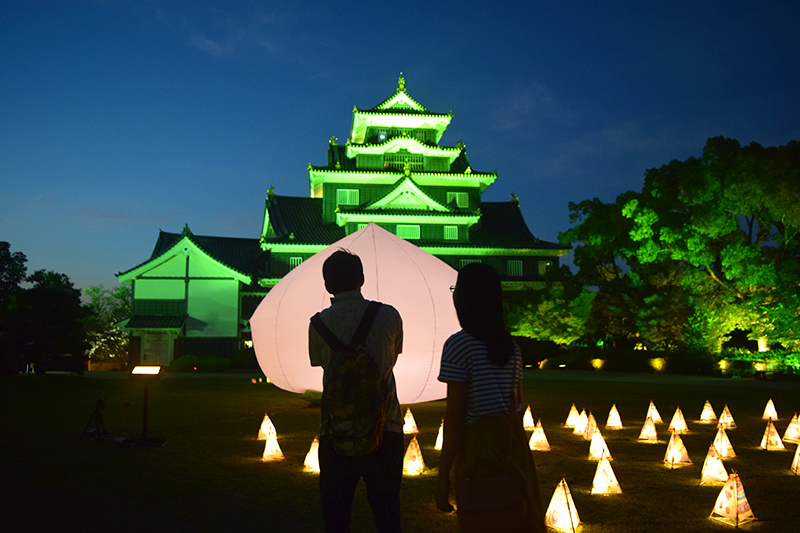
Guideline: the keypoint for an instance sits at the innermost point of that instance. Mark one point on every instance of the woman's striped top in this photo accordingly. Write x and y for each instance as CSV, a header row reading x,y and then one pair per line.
x,y
465,359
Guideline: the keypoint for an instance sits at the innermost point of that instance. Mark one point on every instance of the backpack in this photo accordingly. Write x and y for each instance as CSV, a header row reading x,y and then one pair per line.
x,y
355,399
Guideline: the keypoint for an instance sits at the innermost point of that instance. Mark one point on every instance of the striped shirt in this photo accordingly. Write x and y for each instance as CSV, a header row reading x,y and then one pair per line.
x,y
465,359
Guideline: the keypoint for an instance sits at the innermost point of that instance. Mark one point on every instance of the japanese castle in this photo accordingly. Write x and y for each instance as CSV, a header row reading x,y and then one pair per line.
x,y
195,293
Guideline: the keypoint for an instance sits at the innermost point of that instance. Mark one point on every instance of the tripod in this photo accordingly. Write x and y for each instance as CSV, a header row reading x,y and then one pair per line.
x,y
95,429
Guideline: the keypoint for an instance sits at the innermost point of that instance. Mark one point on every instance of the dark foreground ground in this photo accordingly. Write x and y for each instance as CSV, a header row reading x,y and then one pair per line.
x,y
209,477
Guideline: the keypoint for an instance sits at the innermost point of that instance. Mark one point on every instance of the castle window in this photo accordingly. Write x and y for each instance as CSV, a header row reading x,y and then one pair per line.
x,y
346,196
450,233
408,231
514,267
465,262
461,198
544,266
295,261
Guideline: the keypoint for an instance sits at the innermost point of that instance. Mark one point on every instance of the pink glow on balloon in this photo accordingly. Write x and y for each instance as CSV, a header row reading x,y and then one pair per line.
x,y
396,272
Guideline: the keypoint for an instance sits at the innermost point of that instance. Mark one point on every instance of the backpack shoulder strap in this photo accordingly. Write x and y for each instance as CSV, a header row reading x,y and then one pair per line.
x,y
326,334
366,323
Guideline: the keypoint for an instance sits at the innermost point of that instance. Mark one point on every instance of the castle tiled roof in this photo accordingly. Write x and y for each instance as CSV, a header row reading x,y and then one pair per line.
x,y
501,225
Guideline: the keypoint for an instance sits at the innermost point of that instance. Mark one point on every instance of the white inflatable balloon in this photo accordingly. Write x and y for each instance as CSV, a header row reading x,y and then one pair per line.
x,y
396,272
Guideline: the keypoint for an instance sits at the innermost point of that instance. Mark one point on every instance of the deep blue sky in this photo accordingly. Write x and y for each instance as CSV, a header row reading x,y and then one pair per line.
x,y
119,118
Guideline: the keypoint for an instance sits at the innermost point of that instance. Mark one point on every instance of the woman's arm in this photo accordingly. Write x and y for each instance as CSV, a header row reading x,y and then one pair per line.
x,y
455,420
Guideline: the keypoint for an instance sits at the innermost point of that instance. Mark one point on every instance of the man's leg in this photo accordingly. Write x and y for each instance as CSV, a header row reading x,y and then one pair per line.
x,y
338,477
383,476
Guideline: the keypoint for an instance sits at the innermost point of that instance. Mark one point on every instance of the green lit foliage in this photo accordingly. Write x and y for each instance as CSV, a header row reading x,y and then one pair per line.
x,y
557,313
710,244
109,307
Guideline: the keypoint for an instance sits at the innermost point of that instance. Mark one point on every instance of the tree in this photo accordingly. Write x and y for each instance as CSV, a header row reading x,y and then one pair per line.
x,y
12,274
710,244
108,308
50,319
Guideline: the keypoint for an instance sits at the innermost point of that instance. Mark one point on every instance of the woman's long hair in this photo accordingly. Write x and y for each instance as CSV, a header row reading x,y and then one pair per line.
x,y
479,306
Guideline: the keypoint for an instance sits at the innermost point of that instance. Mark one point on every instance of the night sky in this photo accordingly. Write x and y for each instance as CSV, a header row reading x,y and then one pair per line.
x,y
119,118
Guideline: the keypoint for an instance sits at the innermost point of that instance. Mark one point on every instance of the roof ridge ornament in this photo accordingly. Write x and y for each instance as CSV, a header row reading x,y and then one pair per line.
x,y
186,231
401,84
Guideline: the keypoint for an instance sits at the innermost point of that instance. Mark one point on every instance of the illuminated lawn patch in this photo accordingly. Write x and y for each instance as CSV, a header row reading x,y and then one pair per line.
x,y
210,477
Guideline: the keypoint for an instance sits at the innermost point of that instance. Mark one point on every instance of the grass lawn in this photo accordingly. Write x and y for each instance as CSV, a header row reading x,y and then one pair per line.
x,y
209,476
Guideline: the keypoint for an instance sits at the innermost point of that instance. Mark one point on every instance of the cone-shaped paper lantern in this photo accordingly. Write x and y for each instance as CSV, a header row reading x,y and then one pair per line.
x,y
272,452
412,461
796,461
396,272
266,428
591,427
580,424
678,423
792,433
726,419
614,421
771,440
708,416
440,437
538,442
732,507
769,411
676,454
605,482
311,464
723,445
561,514
598,448
409,424
527,420
714,472
648,433
572,417
652,413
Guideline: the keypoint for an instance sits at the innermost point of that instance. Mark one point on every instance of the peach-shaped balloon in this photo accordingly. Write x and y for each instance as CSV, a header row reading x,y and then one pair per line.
x,y
396,272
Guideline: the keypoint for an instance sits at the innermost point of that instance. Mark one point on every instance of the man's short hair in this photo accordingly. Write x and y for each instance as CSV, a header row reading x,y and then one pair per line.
x,y
342,271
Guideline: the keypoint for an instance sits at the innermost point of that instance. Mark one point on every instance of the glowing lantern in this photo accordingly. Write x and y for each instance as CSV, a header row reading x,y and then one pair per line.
x,y
440,437
771,440
648,433
708,416
538,440
796,461
412,461
311,464
409,424
397,272
792,433
614,421
572,417
591,427
580,424
678,423
267,428
714,472
598,448
561,513
527,420
726,419
723,444
605,482
653,414
272,452
732,507
769,411
676,454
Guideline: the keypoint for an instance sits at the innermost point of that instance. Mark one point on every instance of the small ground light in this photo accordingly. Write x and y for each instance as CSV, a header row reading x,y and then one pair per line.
x,y
146,374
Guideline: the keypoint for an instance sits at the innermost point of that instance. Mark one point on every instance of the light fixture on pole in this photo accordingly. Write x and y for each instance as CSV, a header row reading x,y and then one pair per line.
x,y
145,374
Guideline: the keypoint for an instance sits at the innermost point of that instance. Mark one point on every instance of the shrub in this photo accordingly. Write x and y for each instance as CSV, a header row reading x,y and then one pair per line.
x,y
200,363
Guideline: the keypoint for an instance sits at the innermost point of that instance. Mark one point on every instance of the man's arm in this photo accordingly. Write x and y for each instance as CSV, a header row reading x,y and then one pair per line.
x,y
314,354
